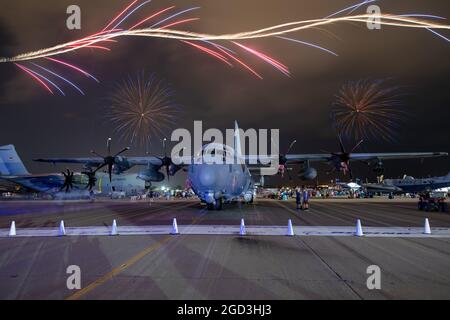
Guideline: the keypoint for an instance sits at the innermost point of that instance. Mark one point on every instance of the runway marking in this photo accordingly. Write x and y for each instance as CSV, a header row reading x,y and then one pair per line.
x,y
337,274
77,295
256,230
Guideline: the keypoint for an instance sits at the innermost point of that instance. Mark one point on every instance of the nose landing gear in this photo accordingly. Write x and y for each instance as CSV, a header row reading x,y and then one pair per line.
x,y
216,205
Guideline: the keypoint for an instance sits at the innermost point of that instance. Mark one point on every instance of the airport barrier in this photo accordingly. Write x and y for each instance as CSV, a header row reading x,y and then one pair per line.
x,y
241,230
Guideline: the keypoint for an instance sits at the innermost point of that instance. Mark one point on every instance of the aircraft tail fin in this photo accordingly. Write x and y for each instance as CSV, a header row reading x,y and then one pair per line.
x,y
237,141
10,162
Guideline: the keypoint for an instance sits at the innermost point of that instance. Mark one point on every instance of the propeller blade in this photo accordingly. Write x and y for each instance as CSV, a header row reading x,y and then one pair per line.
x,y
357,145
164,147
108,146
341,144
100,166
122,151
290,146
95,153
110,172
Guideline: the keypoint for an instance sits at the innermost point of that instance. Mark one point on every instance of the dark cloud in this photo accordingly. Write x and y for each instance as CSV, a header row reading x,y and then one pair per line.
x,y
42,125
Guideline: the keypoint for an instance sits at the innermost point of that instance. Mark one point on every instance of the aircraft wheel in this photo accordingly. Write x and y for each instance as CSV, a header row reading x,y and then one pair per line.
x,y
219,204
210,206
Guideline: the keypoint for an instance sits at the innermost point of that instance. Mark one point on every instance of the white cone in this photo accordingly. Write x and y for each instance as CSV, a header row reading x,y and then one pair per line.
x,y
290,230
114,228
427,229
174,227
242,228
62,229
12,230
359,231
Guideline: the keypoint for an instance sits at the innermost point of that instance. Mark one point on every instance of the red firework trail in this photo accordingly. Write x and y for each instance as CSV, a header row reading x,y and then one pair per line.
x,y
278,65
73,67
210,52
240,62
34,76
119,15
150,17
179,22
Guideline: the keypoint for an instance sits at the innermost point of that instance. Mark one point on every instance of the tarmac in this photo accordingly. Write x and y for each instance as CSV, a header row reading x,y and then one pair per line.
x,y
224,265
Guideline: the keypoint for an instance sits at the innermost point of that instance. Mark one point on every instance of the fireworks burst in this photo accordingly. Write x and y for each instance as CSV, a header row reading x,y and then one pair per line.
x,y
368,110
141,108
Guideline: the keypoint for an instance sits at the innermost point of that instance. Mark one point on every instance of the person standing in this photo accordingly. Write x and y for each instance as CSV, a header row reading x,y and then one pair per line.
x,y
298,198
305,198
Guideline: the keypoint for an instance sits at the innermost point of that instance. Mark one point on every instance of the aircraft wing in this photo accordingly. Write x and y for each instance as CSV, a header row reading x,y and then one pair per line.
x,y
141,161
96,161
299,158
396,155
325,157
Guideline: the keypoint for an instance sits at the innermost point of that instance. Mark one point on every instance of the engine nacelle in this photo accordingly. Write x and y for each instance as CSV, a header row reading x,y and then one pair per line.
x,y
121,165
151,175
308,174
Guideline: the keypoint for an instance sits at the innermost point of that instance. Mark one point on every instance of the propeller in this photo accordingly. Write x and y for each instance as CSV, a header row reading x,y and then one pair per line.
x,y
166,161
68,180
91,179
344,157
109,160
283,160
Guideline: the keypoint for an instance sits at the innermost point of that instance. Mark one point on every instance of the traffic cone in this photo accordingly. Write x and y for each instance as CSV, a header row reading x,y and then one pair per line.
x,y
290,230
174,227
62,229
242,228
114,228
427,229
359,232
12,230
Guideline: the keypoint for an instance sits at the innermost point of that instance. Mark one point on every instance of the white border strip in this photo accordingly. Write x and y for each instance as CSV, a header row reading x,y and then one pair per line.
x,y
388,232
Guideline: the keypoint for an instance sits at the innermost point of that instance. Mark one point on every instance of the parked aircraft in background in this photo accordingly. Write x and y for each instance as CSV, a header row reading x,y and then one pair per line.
x,y
14,177
218,183
408,185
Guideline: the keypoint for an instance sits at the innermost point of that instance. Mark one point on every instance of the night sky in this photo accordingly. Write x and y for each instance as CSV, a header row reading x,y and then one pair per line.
x,y
42,125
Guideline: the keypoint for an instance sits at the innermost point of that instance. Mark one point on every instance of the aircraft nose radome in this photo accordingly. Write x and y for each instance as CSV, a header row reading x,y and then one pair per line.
x,y
207,176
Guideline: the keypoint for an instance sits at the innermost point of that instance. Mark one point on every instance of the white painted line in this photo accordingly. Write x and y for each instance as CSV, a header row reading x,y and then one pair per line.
x,y
392,232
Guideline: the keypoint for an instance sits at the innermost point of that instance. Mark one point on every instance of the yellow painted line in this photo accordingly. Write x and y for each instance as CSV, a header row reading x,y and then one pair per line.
x,y
77,295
